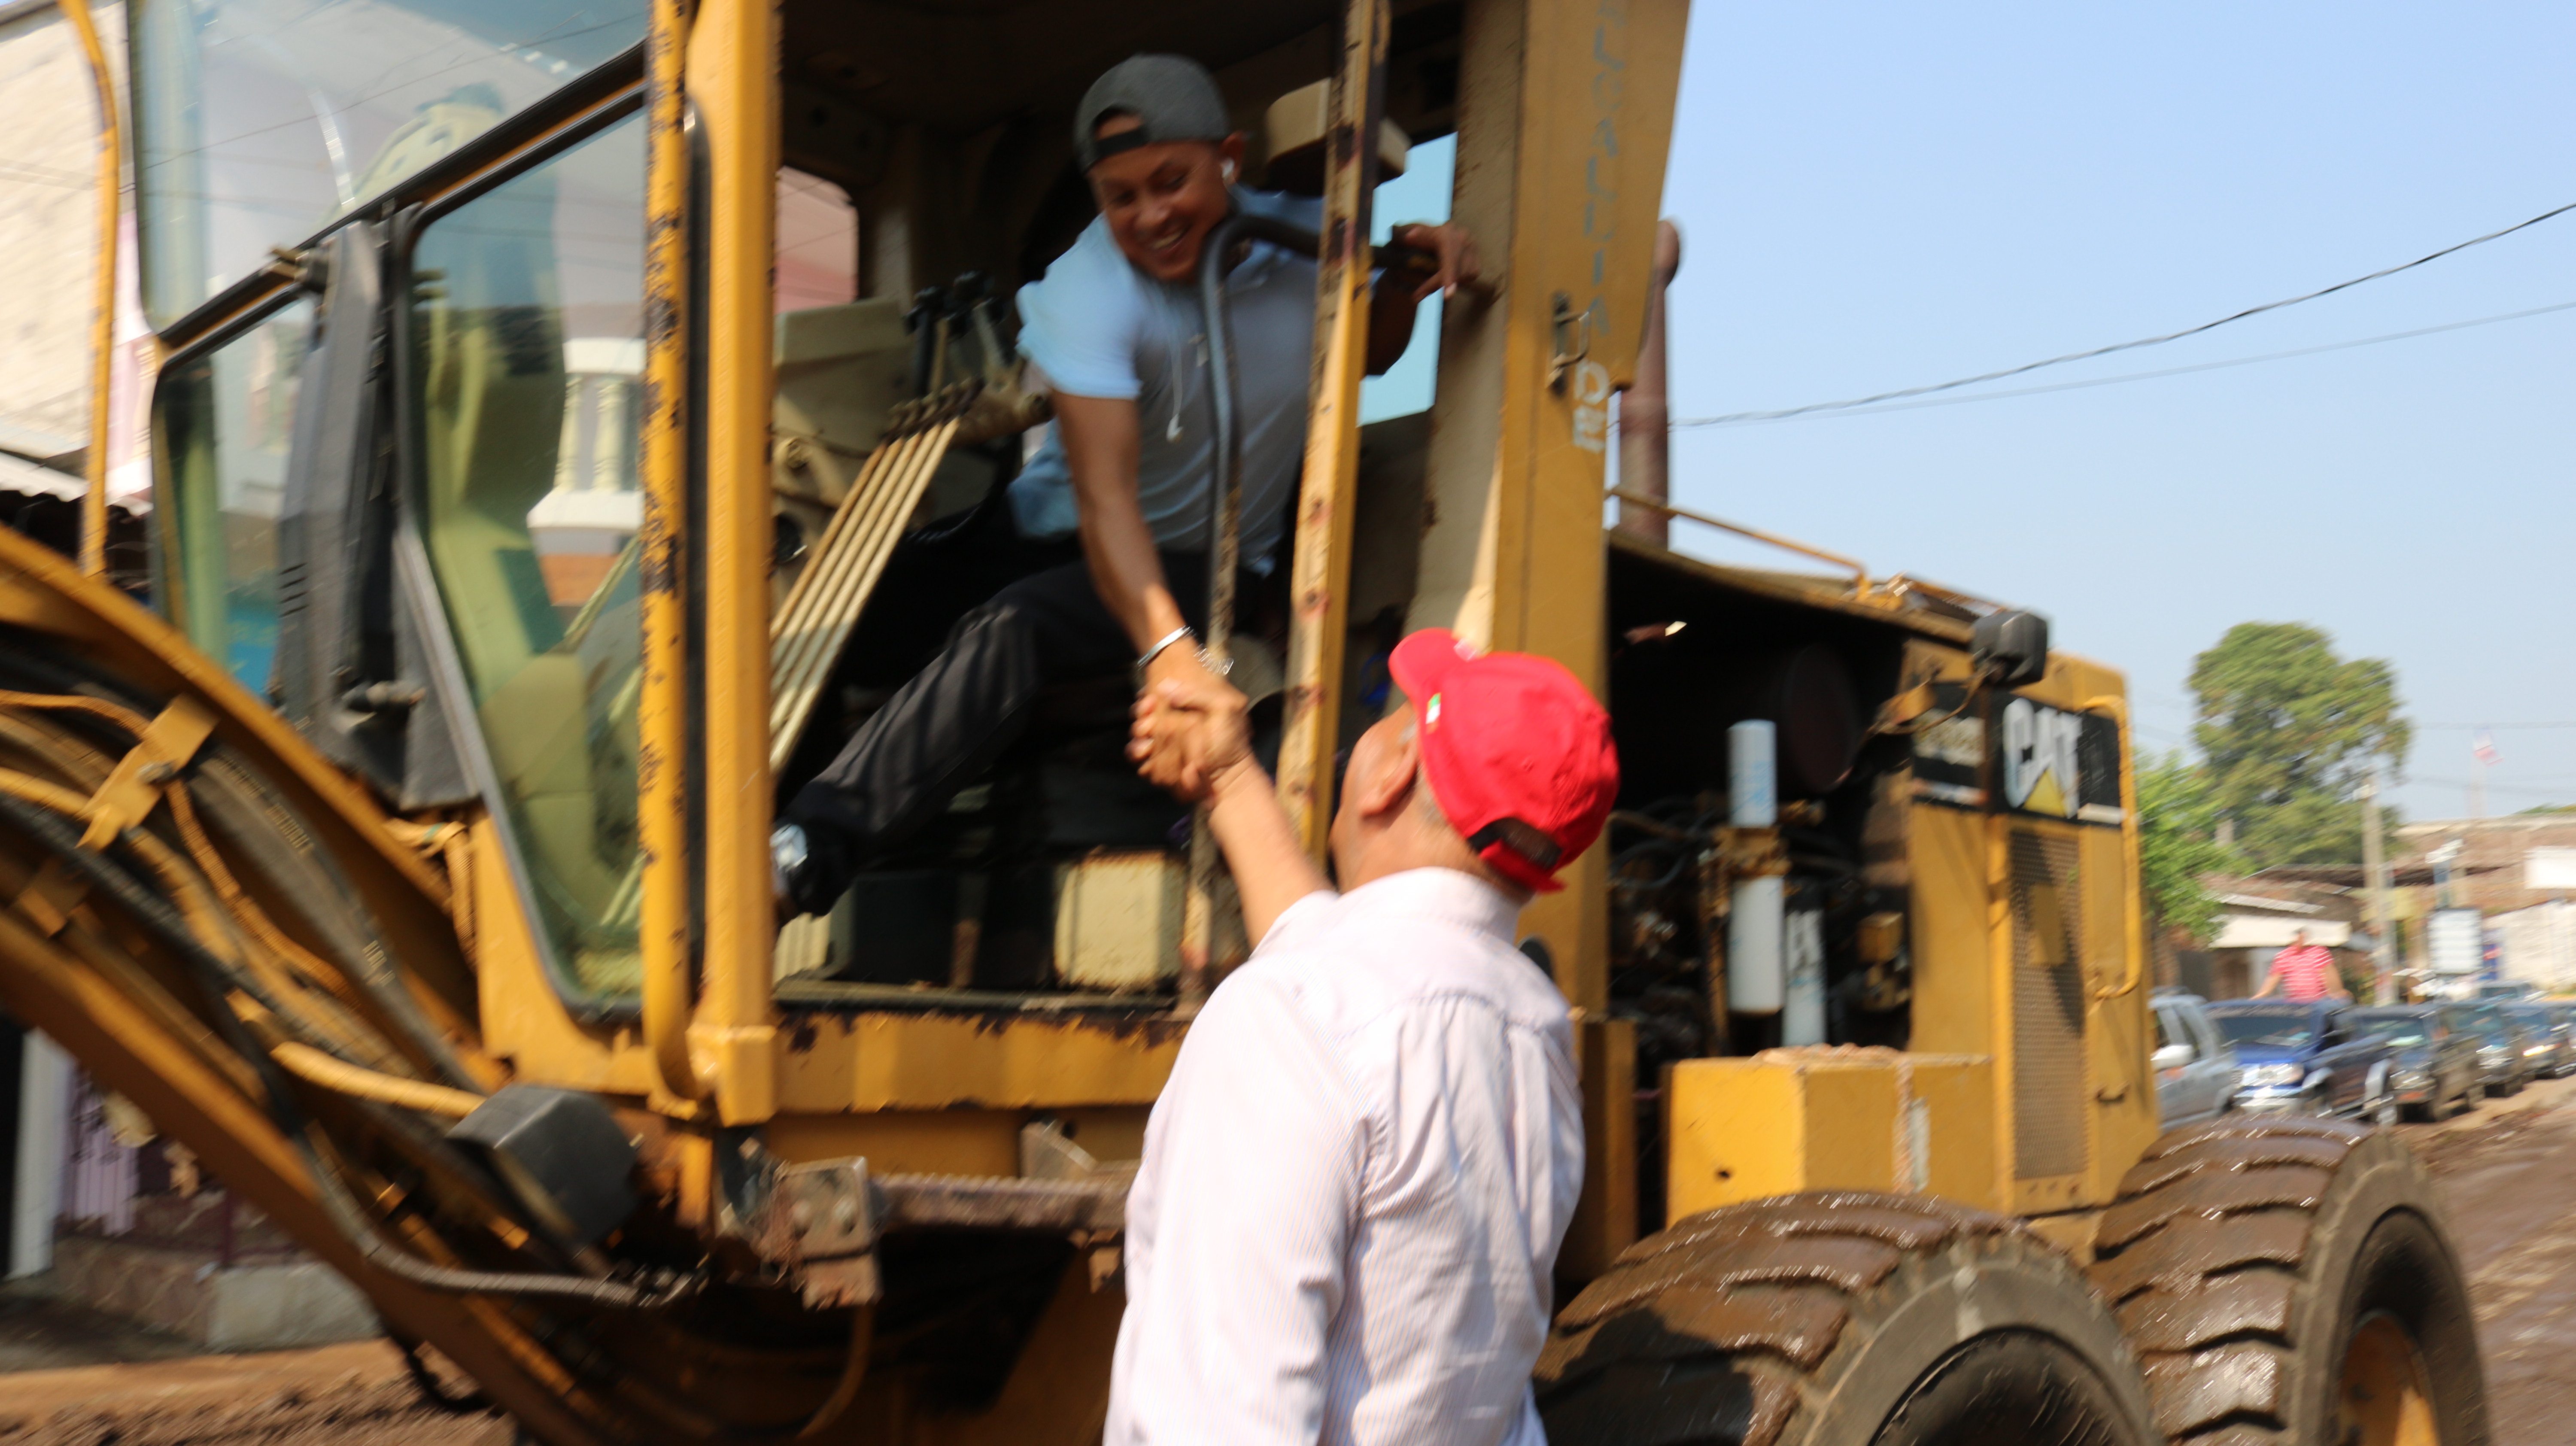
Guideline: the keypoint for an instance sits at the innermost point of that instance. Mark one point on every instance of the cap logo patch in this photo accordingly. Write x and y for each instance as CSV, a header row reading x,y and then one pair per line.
x,y
1431,713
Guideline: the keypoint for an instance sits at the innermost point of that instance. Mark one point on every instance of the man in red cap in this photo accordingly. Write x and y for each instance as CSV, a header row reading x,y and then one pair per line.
x,y
1345,1225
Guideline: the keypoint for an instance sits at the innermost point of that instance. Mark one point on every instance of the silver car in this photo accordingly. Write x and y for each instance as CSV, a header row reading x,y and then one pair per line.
x,y
2196,1073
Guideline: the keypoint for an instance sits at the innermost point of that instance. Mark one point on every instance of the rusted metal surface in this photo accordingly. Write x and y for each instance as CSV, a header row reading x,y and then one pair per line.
x,y
822,1222
923,1202
662,707
1321,567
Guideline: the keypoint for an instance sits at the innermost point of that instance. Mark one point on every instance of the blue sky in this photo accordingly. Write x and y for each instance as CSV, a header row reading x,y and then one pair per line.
x,y
1882,196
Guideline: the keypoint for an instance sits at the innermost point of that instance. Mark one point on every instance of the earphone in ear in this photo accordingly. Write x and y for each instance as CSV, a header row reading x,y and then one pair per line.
x,y
1229,170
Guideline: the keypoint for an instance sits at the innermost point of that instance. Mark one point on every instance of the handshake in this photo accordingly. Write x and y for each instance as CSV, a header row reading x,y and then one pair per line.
x,y
1192,735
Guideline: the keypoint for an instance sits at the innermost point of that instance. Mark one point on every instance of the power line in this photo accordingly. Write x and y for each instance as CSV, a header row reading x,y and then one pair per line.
x,y
2473,727
2145,341
2177,371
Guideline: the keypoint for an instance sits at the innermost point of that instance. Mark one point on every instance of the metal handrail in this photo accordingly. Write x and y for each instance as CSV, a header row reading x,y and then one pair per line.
x,y
111,170
1224,541
1861,586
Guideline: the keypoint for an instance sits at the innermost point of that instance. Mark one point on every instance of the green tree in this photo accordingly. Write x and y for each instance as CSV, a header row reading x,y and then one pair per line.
x,y
2178,843
2287,730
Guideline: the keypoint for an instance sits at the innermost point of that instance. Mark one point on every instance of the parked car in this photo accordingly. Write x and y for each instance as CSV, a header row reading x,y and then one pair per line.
x,y
2501,1041
2196,1072
2436,1072
2306,1058
2551,1051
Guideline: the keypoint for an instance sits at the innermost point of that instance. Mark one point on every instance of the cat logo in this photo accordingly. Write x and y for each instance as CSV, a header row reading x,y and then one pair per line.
x,y
2039,758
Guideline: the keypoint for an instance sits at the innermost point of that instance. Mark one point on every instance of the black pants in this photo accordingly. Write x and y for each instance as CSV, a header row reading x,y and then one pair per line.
x,y
957,715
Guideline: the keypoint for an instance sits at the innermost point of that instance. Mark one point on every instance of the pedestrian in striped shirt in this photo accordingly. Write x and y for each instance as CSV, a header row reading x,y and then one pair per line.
x,y
2304,971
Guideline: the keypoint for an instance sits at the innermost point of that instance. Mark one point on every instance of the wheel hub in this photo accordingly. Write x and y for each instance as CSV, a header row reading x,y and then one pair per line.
x,y
2383,1398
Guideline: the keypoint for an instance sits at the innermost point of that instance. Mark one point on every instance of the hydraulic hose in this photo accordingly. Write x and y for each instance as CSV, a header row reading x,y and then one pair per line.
x,y
252,820
315,1067
215,975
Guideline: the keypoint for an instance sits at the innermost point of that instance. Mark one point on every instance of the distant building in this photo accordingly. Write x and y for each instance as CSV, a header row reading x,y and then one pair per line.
x,y
2261,914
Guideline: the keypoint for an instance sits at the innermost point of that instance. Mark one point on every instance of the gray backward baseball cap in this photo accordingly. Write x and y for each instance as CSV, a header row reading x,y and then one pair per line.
x,y
1172,96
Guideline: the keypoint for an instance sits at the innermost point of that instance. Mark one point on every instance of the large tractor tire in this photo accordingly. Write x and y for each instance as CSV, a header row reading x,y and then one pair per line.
x,y
2288,1282
1841,1320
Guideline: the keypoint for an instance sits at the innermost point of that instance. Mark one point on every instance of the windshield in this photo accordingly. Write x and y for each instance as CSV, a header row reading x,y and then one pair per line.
x,y
258,122
2282,1028
528,328
2398,1029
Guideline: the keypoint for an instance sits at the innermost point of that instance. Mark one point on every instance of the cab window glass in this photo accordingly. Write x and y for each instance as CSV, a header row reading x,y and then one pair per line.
x,y
1420,194
2165,1030
259,121
221,438
527,355
818,243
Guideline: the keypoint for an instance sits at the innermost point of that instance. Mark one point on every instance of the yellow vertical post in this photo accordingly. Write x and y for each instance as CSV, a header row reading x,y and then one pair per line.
x,y
111,179
1319,594
1565,112
662,714
733,47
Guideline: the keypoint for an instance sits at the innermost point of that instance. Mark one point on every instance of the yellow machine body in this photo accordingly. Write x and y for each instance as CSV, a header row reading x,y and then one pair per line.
x,y
2022,1085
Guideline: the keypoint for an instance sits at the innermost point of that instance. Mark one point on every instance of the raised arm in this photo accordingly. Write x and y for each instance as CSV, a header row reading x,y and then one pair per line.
x,y
1100,445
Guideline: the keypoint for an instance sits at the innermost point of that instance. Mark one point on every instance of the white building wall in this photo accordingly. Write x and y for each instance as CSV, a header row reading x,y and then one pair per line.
x,y
2539,944
44,1142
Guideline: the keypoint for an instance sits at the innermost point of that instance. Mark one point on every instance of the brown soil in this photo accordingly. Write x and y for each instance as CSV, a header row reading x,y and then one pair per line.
x,y
351,1395
2508,1174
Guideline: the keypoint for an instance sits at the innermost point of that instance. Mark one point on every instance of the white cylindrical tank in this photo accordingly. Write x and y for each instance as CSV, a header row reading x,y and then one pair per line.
x,y
1756,961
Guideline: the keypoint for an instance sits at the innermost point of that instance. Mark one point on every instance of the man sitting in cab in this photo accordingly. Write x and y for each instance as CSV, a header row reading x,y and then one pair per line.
x,y
1115,332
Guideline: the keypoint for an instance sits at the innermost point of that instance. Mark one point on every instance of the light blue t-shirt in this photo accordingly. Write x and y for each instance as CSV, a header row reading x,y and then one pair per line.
x,y
1098,327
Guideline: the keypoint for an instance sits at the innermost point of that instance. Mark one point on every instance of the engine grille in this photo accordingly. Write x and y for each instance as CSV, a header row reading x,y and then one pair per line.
x,y
2049,1116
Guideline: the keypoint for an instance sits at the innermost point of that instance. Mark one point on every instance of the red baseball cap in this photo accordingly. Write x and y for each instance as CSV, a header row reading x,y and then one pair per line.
x,y
1517,751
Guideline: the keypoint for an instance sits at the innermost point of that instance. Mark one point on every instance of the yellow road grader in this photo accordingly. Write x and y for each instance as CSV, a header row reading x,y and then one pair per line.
x,y
529,519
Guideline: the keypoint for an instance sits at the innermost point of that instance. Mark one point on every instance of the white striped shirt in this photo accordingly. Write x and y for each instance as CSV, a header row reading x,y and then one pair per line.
x,y
1345,1225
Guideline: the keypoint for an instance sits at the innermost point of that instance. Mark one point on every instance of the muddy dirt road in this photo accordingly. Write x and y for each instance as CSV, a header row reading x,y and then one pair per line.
x,y
2508,1172
2508,1175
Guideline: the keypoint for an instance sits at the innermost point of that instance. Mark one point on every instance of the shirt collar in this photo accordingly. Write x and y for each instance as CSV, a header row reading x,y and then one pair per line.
x,y
1443,894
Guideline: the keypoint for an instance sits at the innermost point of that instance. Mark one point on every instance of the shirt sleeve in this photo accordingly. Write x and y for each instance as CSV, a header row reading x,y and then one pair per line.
x,y
1242,1219
1079,322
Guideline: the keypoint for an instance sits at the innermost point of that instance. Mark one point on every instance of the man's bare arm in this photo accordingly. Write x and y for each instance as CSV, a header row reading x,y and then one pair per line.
x,y
1100,446
1191,736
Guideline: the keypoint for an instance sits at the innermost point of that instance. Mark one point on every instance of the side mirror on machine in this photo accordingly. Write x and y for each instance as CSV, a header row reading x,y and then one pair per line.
x,y
2172,1056
2010,647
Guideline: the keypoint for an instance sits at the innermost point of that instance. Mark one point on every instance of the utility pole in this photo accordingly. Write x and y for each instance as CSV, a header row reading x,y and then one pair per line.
x,y
2374,869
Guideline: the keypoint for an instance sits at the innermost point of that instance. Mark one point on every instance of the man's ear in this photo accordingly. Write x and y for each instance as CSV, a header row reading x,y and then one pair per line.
x,y
1387,782
1229,153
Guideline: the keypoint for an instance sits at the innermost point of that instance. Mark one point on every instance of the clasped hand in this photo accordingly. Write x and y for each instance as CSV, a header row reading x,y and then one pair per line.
x,y
1190,734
